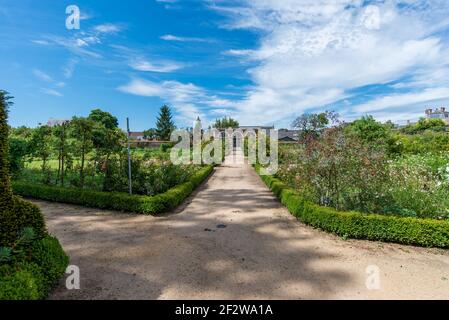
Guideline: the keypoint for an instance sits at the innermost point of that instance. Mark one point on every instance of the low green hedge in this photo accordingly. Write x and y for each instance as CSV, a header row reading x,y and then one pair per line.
x,y
114,200
33,278
356,225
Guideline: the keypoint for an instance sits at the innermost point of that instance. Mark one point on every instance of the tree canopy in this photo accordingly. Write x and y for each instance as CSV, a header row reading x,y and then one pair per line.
x,y
311,124
226,123
105,118
436,125
164,124
368,129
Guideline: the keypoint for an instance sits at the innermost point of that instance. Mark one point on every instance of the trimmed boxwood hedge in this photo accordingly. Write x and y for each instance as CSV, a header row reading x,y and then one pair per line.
x,y
356,225
32,279
114,200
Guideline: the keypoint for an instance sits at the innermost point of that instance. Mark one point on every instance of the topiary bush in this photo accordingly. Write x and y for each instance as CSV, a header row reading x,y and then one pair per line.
x,y
30,260
5,180
19,215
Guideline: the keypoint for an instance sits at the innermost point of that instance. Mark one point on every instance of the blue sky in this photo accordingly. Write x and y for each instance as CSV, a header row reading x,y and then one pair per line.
x,y
260,61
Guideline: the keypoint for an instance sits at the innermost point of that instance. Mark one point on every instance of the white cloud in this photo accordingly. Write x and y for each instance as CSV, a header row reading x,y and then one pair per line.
x,y
189,100
158,66
52,92
313,53
41,75
82,43
108,28
69,68
77,45
143,88
138,61
41,42
85,16
404,100
170,37
239,52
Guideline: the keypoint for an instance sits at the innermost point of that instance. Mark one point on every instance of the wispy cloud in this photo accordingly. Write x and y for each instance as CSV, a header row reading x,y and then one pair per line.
x,y
170,37
157,66
188,99
403,100
41,42
69,68
239,52
52,92
82,43
75,45
144,88
139,61
108,28
41,75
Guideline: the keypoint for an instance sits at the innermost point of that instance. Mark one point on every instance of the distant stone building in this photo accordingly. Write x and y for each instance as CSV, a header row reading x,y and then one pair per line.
x,y
56,122
139,136
256,129
440,113
288,135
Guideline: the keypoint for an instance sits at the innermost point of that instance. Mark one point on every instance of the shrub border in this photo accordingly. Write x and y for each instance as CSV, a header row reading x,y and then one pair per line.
x,y
357,225
151,205
33,278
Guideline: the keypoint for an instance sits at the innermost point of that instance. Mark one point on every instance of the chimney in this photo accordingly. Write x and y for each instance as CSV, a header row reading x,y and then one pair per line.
x,y
428,112
443,109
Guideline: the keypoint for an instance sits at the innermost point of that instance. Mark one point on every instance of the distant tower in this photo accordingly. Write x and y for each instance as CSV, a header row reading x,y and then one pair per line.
x,y
198,125
197,137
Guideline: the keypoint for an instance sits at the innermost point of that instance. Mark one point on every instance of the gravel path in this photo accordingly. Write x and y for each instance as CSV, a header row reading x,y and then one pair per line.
x,y
233,240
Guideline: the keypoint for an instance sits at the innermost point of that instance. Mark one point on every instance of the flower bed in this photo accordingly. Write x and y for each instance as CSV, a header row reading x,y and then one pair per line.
x,y
356,225
114,200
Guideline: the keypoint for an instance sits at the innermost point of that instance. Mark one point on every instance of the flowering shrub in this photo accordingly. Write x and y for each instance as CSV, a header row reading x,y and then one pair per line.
x,y
337,170
420,185
150,175
340,170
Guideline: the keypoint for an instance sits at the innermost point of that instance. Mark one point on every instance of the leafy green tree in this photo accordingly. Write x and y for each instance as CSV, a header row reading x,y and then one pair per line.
x,y
368,130
22,132
104,125
107,141
150,134
6,194
18,150
226,123
82,132
436,125
105,118
41,144
164,124
310,125
62,148
428,142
